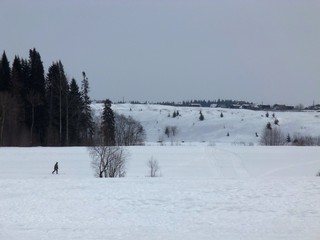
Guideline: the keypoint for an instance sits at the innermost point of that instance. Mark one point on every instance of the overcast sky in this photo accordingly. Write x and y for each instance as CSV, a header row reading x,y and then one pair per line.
x,y
171,50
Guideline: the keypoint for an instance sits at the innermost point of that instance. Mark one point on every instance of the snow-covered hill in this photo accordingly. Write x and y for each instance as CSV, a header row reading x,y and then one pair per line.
x,y
242,125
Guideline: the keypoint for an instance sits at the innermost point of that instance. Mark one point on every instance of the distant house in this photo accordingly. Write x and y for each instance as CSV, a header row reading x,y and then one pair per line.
x,y
250,106
264,107
280,107
195,105
314,107
235,106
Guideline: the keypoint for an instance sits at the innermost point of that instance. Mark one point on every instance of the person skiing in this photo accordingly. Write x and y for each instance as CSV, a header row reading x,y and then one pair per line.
x,y
55,168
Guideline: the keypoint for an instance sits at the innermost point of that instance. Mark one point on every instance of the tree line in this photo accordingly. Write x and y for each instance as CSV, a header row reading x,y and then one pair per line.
x,y
46,109
42,109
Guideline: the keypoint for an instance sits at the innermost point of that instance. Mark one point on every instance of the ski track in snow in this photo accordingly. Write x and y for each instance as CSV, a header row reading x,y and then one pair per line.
x,y
229,163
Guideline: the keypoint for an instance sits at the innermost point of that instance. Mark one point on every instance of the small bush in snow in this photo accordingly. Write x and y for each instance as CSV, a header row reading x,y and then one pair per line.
x,y
108,161
153,166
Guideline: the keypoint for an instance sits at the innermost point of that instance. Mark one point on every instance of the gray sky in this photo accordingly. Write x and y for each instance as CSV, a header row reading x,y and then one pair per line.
x,y
156,50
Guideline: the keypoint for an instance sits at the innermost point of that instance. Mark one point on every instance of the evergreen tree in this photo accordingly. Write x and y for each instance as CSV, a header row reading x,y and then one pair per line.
x,y
174,114
37,107
288,138
86,121
18,77
269,127
57,89
201,117
74,106
5,78
108,124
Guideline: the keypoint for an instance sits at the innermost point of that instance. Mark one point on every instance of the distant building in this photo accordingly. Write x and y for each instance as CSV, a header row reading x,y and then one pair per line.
x,y
279,107
235,106
195,105
264,107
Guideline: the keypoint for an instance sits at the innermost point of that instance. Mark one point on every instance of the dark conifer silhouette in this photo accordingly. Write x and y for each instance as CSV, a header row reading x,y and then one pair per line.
x,y
108,124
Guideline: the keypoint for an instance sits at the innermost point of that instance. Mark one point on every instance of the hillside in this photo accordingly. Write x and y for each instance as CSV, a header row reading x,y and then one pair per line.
x,y
242,125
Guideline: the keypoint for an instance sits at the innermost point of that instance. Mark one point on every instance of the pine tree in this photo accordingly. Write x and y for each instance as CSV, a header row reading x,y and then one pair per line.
x,y
108,124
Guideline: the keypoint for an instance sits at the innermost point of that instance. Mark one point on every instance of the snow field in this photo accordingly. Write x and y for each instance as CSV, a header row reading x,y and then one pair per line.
x,y
204,192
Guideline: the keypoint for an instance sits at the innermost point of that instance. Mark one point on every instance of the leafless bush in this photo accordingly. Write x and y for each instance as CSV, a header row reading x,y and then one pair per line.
x,y
128,131
153,167
272,136
171,131
108,161
307,140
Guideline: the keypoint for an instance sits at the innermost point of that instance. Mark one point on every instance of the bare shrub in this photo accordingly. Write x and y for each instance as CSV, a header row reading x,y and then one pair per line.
x,y
153,166
299,140
128,131
171,131
272,136
108,161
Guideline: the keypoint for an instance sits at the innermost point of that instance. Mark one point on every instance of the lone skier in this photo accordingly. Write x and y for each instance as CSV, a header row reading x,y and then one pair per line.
x,y
55,168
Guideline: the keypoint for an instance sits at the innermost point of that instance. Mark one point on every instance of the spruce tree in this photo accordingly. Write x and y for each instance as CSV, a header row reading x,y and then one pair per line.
x,y
74,113
108,124
288,138
87,125
57,98
18,77
37,107
5,78
174,114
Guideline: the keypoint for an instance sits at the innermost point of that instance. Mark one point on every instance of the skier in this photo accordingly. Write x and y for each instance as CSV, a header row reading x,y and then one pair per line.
x,y
55,168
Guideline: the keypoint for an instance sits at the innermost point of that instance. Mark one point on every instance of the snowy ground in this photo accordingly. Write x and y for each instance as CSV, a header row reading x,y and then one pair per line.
x,y
204,192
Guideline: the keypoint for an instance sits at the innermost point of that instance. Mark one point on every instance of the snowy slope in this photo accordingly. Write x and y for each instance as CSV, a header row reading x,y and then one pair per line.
x,y
241,124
